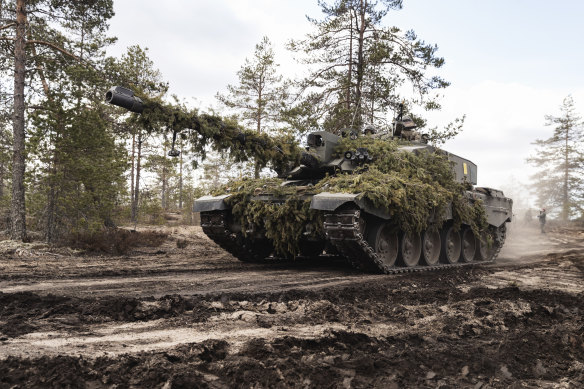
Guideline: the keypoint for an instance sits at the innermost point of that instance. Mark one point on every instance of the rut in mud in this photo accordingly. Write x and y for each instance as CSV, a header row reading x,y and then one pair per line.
x,y
293,325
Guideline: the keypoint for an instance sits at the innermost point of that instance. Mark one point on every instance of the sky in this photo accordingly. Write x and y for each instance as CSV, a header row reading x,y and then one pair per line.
x,y
509,62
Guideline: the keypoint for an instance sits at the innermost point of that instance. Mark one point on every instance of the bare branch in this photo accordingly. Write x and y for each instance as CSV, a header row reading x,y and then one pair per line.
x,y
55,47
8,26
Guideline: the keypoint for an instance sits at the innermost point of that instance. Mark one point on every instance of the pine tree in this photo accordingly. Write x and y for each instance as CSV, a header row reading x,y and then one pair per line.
x,y
136,71
218,169
558,184
164,170
189,193
261,94
43,39
360,67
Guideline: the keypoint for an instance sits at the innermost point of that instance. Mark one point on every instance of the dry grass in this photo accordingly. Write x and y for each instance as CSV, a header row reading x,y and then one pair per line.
x,y
115,241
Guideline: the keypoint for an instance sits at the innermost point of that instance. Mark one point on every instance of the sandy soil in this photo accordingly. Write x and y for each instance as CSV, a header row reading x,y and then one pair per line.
x,y
171,317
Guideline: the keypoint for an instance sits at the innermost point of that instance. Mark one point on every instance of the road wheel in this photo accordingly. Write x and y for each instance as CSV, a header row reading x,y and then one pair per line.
x,y
485,250
410,249
451,245
431,247
384,241
469,245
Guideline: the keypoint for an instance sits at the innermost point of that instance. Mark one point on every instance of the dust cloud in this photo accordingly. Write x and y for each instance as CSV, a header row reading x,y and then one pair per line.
x,y
525,239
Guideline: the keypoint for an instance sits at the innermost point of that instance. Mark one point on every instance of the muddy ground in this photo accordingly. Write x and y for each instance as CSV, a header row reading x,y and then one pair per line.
x,y
170,317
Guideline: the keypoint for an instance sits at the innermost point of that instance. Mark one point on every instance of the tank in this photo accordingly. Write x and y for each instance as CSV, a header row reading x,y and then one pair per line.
x,y
385,201
368,234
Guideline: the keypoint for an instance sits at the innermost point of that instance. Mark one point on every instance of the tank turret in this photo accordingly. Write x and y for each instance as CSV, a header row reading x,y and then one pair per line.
x,y
321,158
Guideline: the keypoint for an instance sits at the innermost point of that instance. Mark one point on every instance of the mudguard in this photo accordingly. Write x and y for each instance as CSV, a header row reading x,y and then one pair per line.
x,y
211,203
327,201
498,208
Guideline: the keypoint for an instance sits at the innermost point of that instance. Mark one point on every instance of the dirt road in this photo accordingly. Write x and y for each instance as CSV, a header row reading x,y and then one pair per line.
x,y
172,317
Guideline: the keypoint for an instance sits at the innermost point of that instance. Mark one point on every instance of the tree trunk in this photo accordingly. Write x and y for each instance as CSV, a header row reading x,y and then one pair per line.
x,y
51,201
18,208
180,179
137,188
164,189
360,59
132,169
1,179
350,63
256,168
565,202
372,116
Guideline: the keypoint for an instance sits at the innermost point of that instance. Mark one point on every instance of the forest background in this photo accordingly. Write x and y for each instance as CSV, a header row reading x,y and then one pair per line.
x,y
82,157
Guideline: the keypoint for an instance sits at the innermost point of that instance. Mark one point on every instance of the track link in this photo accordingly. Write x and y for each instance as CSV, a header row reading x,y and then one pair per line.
x,y
343,231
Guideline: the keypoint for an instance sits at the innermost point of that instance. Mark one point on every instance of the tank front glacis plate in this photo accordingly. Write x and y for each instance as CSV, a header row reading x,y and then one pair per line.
x,y
211,203
498,208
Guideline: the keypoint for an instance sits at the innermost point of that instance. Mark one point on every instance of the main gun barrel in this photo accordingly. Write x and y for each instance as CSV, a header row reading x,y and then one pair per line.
x,y
124,97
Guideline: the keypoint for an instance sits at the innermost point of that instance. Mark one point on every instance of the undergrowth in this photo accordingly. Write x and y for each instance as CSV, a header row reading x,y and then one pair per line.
x,y
114,241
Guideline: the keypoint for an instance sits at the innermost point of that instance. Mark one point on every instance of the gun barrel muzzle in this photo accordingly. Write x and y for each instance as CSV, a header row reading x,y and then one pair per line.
x,y
124,97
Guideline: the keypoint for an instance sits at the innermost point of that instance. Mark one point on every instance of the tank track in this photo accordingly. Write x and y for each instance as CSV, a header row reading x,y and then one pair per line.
x,y
499,234
343,231
215,225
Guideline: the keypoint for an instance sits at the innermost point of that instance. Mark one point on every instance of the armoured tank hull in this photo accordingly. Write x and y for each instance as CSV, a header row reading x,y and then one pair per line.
x,y
351,226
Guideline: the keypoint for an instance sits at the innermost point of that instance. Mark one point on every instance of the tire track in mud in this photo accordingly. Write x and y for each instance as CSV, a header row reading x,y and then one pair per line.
x,y
294,325
391,338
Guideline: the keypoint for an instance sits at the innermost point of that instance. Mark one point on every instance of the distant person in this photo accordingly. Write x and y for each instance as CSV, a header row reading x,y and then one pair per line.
x,y
541,218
